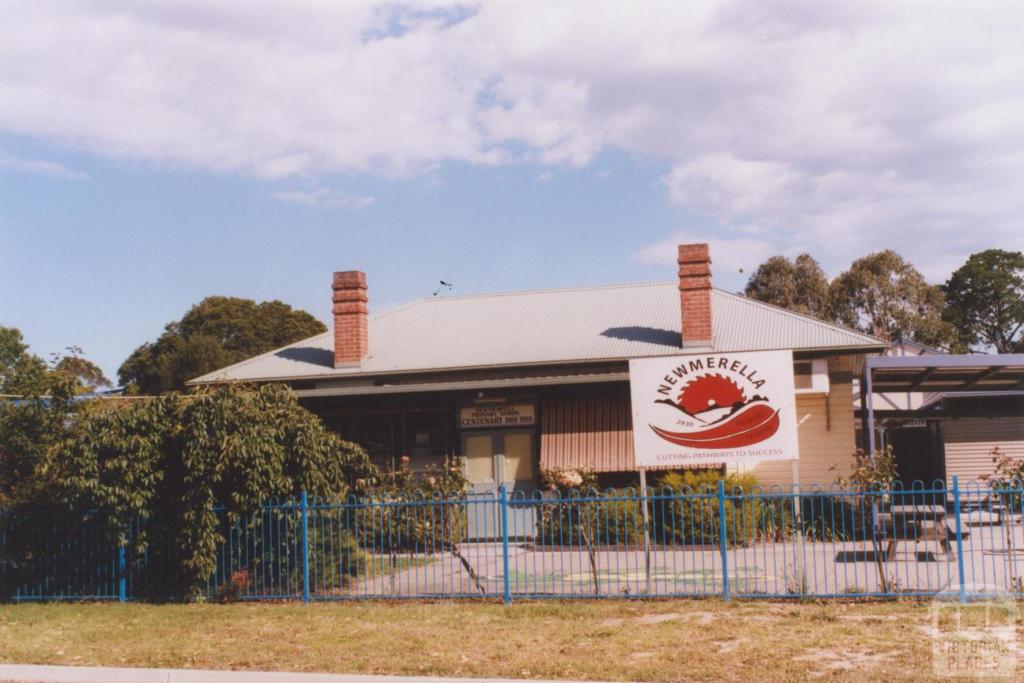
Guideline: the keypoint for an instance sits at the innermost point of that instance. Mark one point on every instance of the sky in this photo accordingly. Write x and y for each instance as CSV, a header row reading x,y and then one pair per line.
x,y
152,154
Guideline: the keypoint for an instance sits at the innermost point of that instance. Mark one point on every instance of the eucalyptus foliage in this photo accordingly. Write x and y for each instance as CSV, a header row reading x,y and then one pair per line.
x,y
36,405
216,332
799,285
986,302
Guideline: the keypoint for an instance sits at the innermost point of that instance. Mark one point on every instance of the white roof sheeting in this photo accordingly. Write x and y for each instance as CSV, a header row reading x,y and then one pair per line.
x,y
545,326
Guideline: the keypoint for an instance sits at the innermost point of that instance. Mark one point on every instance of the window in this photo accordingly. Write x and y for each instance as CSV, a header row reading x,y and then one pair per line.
x,y
386,437
424,438
803,372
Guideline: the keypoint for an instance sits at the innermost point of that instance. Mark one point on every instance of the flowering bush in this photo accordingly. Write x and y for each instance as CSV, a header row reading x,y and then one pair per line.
x,y
437,481
426,514
1006,481
869,473
1007,478
1009,471
567,480
234,588
600,519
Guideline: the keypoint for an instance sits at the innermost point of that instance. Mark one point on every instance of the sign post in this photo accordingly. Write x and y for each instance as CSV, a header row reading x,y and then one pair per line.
x,y
646,516
798,522
797,508
710,409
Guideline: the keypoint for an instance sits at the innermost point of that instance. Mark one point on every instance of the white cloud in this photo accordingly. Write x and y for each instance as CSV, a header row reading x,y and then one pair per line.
x,y
845,126
17,164
325,197
733,259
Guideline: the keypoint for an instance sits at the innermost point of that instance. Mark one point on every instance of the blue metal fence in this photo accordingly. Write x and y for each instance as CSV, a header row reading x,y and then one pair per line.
x,y
820,542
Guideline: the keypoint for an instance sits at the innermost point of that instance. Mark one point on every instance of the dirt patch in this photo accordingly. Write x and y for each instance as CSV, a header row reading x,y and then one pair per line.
x,y
650,619
698,617
727,646
870,617
759,618
658,618
830,661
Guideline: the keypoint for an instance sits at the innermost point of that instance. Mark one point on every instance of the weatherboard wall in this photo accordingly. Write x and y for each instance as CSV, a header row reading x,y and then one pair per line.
x,y
970,441
825,430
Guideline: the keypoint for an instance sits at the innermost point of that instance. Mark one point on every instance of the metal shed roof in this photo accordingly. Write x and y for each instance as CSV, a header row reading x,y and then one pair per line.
x,y
614,322
981,374
946,373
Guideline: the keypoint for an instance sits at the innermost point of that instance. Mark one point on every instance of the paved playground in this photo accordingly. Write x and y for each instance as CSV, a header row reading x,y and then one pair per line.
x,y
991,550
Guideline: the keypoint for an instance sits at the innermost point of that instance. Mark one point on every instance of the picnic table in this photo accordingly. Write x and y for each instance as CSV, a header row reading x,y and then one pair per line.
x,y
916,522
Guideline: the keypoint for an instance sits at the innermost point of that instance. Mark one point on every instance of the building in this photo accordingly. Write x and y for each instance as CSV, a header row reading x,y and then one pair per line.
x,y
520,381
943,414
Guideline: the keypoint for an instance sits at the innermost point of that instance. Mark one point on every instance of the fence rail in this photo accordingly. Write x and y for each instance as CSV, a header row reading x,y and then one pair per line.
x,y
819,542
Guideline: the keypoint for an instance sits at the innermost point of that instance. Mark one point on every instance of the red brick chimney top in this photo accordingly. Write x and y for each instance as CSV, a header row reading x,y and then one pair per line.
x,y
695,294
350,317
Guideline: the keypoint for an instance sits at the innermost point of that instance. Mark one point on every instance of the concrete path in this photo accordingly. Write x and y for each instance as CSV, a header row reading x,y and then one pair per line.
x,y
26,673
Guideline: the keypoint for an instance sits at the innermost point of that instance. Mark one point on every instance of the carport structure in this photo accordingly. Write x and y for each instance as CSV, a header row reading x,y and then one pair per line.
x,y
951,375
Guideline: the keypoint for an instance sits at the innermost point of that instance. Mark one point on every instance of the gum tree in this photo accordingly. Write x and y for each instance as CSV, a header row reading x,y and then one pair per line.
x,y
885,296
985,301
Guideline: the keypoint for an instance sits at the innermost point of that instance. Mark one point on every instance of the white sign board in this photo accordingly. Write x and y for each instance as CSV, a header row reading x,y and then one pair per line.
x,y
707,409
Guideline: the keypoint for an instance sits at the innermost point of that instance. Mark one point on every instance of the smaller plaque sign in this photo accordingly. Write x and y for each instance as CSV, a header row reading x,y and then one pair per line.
x,y
497,415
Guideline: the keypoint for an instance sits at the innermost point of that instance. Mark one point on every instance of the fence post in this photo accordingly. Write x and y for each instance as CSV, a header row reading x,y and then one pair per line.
x,y
959,538
305,547
503,495
722,540
122,579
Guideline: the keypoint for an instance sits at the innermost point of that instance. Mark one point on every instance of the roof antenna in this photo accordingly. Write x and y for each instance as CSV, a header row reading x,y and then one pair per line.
x,y
444,286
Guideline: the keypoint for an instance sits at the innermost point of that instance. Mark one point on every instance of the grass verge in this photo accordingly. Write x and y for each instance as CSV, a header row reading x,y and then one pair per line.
x,y
604,640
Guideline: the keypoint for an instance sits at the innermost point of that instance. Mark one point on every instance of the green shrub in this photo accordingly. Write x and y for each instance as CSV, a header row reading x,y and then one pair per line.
x,y
597,518
263,554
826,518
154,469
335,560
695,517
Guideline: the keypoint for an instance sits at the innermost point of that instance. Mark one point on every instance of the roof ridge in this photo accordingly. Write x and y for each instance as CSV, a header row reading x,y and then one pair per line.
x,y
249,361
398,309
541,290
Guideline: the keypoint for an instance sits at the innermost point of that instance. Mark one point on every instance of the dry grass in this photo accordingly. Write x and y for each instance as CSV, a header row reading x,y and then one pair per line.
x,y
610,640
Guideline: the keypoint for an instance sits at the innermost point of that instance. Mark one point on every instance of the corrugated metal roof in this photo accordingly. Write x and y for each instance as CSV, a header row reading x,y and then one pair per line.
x,y
545,326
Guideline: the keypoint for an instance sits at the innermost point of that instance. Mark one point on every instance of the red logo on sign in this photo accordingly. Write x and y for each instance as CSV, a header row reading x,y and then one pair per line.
x,y
723,415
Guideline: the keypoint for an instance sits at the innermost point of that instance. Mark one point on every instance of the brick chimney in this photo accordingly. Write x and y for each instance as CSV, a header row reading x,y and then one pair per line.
x,y
695,294
350,313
